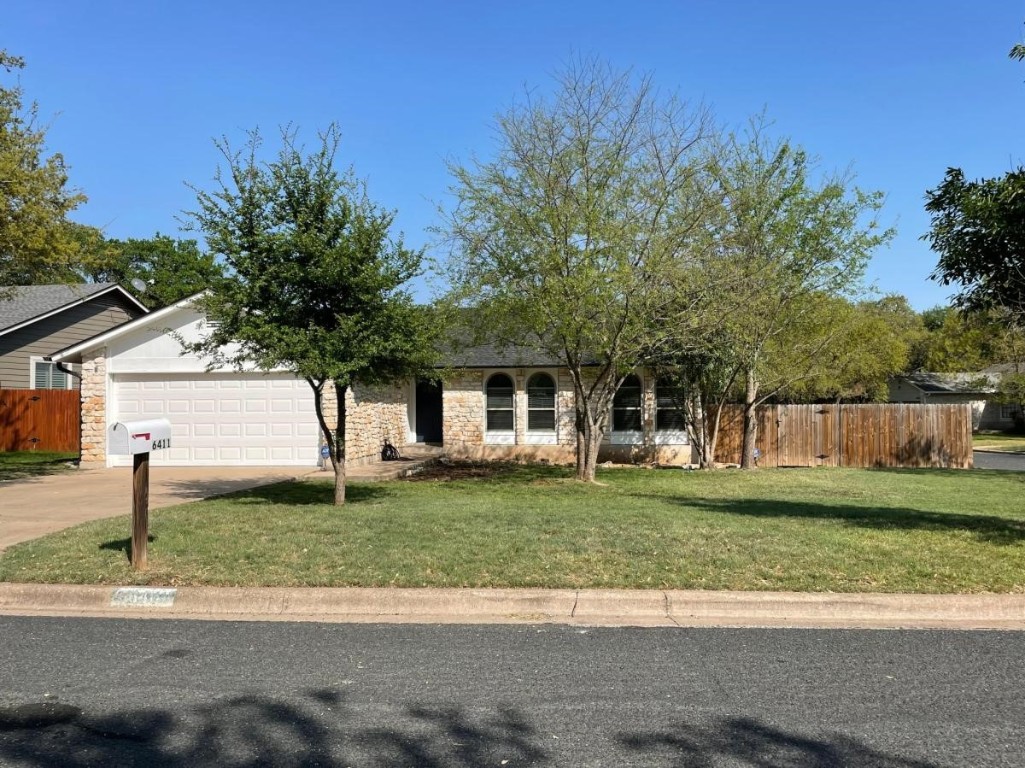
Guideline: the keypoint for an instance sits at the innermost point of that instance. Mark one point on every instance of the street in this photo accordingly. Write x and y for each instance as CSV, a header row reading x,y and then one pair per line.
x,y
102,692
1014,462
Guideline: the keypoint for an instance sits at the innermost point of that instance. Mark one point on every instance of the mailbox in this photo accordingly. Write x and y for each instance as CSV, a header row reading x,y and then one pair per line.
x,y
128,438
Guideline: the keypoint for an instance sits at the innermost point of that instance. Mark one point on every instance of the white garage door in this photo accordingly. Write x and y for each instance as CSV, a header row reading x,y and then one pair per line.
x,y
223,419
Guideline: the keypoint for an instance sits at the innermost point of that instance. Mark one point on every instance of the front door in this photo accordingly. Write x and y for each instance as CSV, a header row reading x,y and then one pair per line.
x,y
428,412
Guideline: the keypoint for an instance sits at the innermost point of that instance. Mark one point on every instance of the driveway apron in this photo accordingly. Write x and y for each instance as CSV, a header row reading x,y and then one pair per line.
x,y
38,506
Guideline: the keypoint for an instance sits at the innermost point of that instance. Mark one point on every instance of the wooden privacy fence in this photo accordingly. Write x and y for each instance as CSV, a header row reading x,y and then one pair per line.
x,y
885,435
39,419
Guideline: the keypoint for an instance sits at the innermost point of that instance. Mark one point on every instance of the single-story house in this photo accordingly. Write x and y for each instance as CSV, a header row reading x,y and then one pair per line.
x,y
37,320
490,405
976,389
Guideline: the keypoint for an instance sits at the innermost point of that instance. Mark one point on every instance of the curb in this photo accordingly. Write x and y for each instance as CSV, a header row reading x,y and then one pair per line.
x,y
646,608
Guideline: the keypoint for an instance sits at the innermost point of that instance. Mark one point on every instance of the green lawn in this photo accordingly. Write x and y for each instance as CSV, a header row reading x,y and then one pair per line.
x,y
826,529
999,442
16,465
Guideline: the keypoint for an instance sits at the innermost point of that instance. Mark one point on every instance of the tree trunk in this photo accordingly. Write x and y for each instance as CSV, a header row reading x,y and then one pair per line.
x,y
339,453
581,457
747,458
591,444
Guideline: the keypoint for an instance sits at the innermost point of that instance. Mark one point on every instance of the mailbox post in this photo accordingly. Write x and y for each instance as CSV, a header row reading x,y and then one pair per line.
x,y
137,439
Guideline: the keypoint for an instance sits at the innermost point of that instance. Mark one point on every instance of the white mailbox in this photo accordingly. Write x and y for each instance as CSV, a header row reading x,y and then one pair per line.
x,y
128,438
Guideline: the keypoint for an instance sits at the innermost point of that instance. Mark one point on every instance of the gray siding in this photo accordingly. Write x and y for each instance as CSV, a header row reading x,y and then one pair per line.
x,y
57,332
903,392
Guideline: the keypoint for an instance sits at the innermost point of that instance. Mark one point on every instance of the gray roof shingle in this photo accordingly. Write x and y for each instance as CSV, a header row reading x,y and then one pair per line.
x,y
29,301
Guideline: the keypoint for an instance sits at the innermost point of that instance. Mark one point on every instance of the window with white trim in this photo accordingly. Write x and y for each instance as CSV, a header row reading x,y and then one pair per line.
x,y
669,414
46,375
626,406
540,403
500,397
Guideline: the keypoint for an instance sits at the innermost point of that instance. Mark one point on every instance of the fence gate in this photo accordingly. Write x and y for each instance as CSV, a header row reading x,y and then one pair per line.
x,y
39,419
808,435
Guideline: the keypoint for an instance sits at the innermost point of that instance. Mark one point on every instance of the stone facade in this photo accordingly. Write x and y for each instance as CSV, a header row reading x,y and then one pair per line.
x,y
94,409
373,415
376,414
465,433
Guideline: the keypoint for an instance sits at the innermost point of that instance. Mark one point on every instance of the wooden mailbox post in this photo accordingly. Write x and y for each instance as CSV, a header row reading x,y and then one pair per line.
x,y
137,439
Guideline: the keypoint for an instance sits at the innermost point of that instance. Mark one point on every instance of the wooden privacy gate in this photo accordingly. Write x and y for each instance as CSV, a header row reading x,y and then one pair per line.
x,y
885,435
39,419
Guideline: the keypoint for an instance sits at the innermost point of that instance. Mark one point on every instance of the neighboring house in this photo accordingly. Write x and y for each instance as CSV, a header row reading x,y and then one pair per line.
x,y
491,404
977,389
37,320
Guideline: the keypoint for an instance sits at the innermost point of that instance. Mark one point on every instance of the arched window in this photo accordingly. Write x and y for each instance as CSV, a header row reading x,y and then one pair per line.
x,y
540,403
668,407
626,406
500,394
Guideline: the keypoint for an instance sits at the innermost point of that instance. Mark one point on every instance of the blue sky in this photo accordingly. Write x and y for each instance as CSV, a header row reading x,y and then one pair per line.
x,y
136,91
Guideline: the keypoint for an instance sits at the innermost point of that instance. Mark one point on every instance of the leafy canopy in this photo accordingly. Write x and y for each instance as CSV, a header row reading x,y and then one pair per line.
x,y
314,283
36,241
978,231
172,269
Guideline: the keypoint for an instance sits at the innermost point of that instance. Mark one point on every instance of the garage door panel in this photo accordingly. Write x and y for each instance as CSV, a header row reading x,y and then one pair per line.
x,y
235,419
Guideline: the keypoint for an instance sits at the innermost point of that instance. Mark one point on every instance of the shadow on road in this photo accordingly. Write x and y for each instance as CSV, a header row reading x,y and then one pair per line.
x,y
319,728
751,743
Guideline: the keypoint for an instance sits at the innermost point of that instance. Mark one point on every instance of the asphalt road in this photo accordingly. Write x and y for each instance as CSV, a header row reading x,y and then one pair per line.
x,y
94,692
1014,462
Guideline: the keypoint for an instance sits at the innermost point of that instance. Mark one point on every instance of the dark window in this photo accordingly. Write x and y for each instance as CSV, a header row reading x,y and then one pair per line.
x,y
626,406
668,413
500,395
540,403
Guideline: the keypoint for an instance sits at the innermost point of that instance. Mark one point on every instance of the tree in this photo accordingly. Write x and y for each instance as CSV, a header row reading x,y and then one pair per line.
x,y
560,242
314,283
873,342
36,242
978,230
172,269
793,241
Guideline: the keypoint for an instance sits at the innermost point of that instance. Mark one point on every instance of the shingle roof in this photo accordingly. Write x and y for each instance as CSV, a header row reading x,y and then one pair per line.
x,y
28,301
954,383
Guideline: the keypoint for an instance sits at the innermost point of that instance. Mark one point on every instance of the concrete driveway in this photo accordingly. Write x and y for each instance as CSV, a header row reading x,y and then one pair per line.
x,y
34,507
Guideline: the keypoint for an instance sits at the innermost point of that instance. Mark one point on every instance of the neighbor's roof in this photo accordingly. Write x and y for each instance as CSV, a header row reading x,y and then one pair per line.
x,y
30,303
953,383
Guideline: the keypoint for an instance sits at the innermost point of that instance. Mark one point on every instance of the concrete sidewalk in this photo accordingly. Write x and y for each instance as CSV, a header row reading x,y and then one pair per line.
x,y
649,608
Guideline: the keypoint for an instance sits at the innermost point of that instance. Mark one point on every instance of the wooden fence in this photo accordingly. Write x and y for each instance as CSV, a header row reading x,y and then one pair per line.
x,y
886,435
39,419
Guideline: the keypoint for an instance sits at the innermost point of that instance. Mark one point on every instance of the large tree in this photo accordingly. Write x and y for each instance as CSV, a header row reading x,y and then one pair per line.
x,y
790,236
171,268
978,231
36,241
315,280
561,239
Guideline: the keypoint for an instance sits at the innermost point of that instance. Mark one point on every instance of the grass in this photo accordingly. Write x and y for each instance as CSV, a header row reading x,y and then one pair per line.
x,y
999,441
18,465
841,530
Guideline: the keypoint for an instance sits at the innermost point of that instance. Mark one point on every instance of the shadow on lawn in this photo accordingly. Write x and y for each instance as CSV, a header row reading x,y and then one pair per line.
x,y
305,492
319,727
987,528
123,545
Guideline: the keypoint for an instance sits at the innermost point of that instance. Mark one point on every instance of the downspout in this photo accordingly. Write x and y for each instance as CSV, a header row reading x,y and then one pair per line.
x,y
63,367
